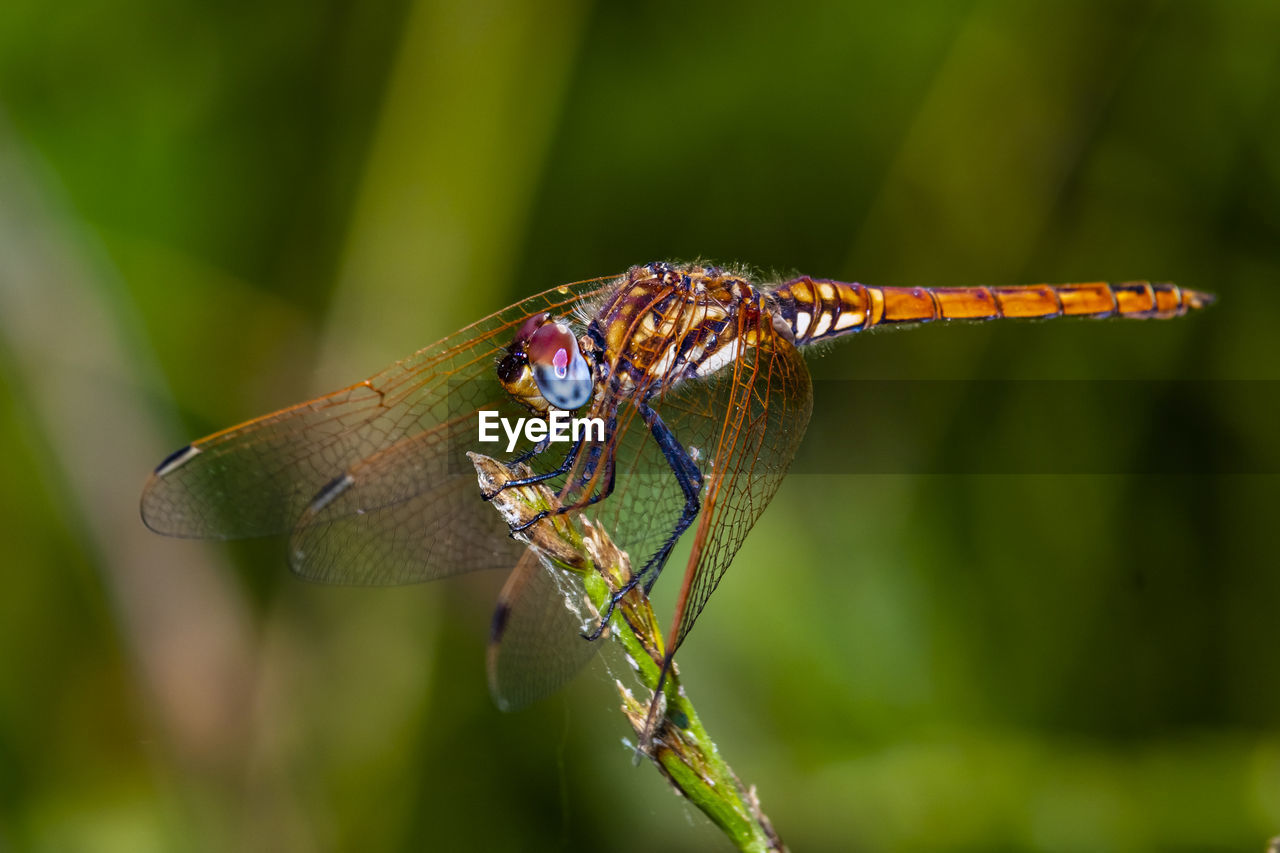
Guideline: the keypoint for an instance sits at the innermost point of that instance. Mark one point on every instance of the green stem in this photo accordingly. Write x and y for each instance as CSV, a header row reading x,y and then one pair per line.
x,y
675,740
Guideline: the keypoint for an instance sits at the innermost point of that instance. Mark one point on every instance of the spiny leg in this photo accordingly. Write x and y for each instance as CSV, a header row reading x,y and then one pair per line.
x,y
526,455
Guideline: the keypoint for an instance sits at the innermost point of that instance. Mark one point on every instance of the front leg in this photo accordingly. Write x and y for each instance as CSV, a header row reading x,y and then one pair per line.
x,y
565,465
594,456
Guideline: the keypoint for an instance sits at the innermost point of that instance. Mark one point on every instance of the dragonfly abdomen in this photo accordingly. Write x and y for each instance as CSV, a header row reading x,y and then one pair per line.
x,y
818,309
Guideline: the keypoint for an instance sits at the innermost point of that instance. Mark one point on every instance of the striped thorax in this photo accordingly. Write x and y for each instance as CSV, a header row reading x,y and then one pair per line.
x,y
665,324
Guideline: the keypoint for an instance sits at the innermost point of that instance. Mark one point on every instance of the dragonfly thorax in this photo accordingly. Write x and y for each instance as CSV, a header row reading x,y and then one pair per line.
x,y
666,323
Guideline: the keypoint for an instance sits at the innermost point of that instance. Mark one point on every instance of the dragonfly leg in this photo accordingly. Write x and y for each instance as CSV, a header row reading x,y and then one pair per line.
x,y
530,453
593,459
690,479
539,478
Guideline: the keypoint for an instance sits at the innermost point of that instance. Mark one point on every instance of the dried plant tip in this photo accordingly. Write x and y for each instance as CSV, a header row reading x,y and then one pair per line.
x,y
519,506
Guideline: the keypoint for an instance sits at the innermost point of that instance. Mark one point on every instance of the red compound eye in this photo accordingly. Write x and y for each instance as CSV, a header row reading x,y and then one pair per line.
x,y
560,371
553,346
531,326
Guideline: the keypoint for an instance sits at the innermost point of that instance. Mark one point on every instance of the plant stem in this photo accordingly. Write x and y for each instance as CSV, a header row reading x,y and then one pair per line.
x,y
675,739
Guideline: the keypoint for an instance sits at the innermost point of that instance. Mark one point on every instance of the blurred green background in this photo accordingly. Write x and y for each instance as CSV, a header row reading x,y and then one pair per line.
x,y
208,211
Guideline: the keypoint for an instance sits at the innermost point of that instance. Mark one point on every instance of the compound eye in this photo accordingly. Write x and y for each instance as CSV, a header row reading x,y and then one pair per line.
x,y
530,326
559,369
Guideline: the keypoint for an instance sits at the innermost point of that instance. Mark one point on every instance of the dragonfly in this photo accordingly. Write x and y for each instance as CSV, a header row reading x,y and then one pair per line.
x,y
696,373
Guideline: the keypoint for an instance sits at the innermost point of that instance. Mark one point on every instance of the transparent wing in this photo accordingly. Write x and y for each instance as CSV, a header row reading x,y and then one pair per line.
x,y
372,479
536,644
759,407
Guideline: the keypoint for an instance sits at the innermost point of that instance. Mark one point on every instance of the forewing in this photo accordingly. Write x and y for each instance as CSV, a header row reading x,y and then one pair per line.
x,y
377,468
443,530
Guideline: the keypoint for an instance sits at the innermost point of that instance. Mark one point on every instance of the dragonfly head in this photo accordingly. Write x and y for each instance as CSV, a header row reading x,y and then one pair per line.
x,y
545,367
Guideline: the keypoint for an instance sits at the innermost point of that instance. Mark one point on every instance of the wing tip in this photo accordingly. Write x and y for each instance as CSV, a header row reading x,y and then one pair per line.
x,y
154,508
148,519
500,695
176,460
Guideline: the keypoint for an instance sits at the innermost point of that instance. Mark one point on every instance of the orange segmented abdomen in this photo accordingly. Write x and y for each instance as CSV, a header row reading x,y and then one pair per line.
x,y
818,310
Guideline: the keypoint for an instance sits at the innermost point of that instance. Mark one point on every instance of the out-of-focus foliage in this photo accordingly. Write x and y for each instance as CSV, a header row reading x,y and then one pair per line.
x,y
211,210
